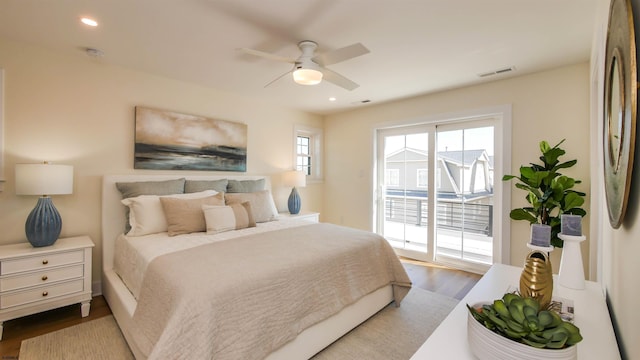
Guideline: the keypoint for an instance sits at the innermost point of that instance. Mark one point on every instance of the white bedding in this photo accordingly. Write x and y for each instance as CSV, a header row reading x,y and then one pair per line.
x,y
124,305
134,253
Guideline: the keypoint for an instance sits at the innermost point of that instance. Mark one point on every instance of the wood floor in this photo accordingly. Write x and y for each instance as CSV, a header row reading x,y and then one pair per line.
x,y
439,279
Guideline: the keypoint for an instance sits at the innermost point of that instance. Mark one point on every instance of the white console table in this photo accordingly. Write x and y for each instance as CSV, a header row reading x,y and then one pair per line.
x,y
449,340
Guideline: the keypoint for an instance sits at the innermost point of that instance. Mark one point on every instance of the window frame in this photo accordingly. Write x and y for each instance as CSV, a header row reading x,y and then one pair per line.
x,y
418,177
316,144
396,176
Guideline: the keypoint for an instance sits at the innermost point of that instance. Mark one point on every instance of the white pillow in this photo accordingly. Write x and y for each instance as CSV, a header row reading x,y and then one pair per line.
x,y
146,215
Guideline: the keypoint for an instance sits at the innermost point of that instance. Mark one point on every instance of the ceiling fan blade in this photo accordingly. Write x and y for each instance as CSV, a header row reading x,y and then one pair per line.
x,y
267,55
337,79
278,78
342,54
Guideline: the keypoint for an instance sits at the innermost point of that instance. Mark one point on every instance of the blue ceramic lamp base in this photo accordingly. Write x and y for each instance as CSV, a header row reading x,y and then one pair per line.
x,y
43,223
294,202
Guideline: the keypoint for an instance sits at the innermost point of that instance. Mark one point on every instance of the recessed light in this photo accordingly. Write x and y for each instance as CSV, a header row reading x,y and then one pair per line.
x,y
332,99
89,21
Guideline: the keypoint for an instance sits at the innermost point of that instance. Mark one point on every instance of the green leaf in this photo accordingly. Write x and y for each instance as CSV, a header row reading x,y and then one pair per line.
x,y
521,214
551,156
565,165
576,211
544,146
532,177
564,182
573,200
508,177
529,189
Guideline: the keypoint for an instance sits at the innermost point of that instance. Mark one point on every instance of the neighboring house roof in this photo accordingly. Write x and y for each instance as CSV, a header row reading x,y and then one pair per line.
x,y
450,160
457,157
468,156
411,154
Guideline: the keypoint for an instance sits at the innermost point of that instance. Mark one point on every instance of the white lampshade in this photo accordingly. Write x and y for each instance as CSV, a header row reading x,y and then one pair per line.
x,y
295,178
44,179
307,76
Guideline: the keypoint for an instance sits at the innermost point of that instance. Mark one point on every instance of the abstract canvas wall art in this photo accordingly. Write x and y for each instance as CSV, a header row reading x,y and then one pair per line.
x,y
167,140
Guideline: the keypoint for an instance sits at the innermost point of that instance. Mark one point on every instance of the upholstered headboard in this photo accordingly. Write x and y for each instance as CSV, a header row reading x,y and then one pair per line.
x,y
113,211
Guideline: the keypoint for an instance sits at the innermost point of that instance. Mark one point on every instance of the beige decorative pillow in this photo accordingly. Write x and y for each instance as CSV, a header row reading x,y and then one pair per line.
x,y
262,205
227,218
185,216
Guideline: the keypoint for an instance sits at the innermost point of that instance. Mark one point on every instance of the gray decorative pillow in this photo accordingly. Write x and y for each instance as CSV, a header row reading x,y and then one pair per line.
x,y
191,186
137,188
166,187
262,204
245,186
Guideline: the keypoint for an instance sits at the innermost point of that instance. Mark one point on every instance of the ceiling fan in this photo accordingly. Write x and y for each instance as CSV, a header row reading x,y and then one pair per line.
x,y
309,68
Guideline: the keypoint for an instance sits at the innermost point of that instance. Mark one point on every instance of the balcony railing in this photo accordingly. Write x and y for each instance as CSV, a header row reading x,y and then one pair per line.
x,y
469,217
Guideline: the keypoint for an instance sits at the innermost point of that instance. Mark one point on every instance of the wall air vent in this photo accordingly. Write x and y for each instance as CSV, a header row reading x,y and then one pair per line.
x,y
496,72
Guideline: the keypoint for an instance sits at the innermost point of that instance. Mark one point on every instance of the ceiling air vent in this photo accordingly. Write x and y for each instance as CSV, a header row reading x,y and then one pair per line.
x,y
496,72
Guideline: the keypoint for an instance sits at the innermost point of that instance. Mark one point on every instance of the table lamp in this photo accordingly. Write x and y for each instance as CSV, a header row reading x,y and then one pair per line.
x,y
295,179
44,222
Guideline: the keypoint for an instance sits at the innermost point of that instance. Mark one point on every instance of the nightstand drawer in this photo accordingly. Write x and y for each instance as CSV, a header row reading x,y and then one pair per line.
x,y
13,266
41,277
40,294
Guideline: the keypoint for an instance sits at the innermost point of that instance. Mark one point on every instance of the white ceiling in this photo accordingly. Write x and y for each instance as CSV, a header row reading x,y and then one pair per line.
x,y
417,46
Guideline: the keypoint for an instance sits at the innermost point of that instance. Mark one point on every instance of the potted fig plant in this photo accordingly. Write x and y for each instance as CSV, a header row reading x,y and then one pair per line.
x,y
549,193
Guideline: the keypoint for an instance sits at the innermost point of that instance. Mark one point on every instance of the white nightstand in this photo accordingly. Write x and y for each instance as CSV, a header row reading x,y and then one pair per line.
x,y
302,215
38,279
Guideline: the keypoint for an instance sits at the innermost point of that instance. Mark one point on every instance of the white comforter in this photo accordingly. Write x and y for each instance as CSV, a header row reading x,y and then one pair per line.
x,y
134,253
244,298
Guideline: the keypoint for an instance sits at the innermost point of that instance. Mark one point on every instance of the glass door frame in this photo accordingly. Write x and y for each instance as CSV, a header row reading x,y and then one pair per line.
x,y
502,143
380,191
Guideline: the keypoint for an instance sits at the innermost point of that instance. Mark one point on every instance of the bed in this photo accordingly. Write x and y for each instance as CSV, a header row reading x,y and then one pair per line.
x,y
150,335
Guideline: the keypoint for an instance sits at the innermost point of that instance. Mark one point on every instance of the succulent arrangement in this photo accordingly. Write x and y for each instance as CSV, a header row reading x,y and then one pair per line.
x,y
521,319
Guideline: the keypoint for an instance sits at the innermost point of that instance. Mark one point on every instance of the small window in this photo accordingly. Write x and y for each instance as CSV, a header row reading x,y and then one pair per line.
x,y
423,178
303,161
392,177
308,152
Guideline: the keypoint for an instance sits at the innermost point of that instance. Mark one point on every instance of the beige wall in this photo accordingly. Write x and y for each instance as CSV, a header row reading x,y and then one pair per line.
x,y
550,106
620,247
74,110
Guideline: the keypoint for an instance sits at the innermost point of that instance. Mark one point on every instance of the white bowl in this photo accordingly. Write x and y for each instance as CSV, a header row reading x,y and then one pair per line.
x,y
487,345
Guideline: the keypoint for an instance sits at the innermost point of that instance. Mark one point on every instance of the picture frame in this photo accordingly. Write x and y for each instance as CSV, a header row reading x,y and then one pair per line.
x,y
168,140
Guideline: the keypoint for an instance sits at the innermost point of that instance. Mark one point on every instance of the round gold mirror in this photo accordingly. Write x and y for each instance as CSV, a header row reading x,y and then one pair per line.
x,y
619,127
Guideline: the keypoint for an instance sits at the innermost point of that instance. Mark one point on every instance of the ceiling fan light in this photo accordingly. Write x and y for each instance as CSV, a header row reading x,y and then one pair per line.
x,y
307,76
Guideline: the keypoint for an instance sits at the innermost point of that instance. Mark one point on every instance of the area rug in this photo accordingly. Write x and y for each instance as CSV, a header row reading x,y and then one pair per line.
x,y
393,333
98,339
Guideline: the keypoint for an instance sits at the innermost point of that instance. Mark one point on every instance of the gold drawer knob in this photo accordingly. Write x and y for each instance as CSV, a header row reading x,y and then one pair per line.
x,y
45,278
45,262
45,293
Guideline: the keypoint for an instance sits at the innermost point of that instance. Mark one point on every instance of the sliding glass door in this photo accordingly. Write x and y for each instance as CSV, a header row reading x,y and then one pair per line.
x,y
404,188
435,191
464,199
